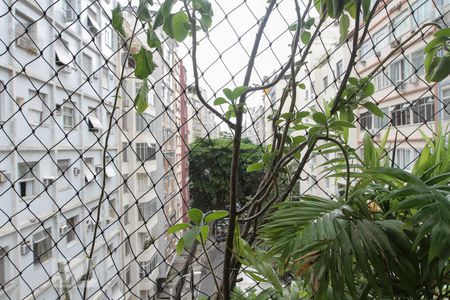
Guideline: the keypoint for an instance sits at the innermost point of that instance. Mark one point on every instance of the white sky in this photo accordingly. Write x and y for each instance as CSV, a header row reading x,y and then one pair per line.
x,y
224,35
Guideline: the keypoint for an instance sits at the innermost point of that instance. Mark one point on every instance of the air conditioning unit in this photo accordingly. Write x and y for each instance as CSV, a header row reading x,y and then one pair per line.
x,y
26,43
109,220
47,181
363,60
63,229
76,171
25,248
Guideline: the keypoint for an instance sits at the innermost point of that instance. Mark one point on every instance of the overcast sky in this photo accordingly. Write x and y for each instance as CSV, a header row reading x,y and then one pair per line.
x,y
224,38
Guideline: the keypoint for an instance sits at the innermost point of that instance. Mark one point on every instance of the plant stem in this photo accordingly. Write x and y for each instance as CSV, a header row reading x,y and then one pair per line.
x,y
211,268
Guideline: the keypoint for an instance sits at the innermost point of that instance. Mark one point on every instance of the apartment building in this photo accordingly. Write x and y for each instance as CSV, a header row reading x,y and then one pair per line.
x,y
410,106
177,207
409,103
202,122
144,155
56,70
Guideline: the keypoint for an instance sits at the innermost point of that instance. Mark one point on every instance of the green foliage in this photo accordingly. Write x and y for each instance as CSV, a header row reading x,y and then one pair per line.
x,y
390,239
197,229
117,20
437,59
209,170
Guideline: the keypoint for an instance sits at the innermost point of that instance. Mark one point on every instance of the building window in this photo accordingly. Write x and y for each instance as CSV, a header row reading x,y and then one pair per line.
x,y
26,33
71,233
446,103
27,183
142,183
364,50
381,80
339,69
325,82
147,267
366,120
403,159
417,59
62,166
381,40
38,110
105,78
144,121
146,210
3,264
87,64
145,151
124,152
397,73
400,25
401,115
112,208
68,116
68,10
128,275
126,216
378,122
125,120
109,41
92,25
126,182
127,246
421,11
423,110
42,246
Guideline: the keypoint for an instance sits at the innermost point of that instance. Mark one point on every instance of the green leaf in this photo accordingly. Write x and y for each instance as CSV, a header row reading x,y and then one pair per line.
x,y
204,231
302,86
373,108
180,246
439,69
177,227
117,20
180,26
195,215
215,215
344,25
366,8
142,12
297,140
167,26
319,118
152,39
344,124
237,92
167,7
220,100
287,116
309,23
228,93
141,100
444,32
159,19
190,235
144,63
255,167
305,37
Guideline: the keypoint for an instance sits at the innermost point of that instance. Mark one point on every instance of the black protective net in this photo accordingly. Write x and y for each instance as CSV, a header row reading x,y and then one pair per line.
x,y
89,186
